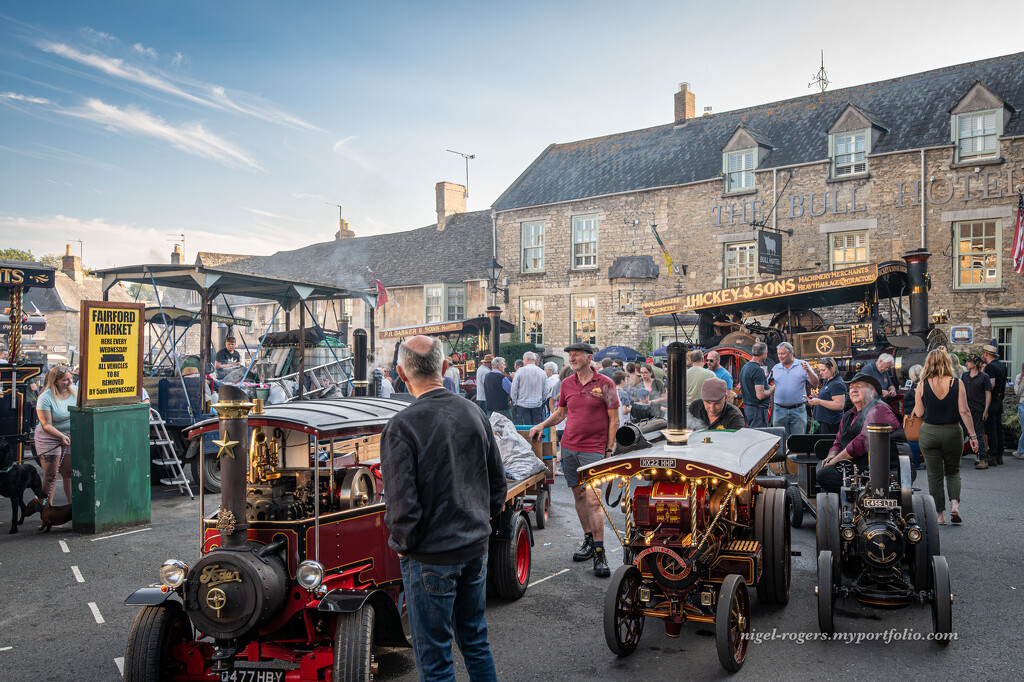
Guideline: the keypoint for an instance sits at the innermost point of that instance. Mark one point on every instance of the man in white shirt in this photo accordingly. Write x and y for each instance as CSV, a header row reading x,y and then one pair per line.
x,y
482,371
529,390
386,389
551,388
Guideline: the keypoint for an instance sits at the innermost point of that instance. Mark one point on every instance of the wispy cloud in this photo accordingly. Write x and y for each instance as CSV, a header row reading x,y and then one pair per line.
x,y
143,50
268,214
62,155
177,59
192,138
15,97
344,149
93,34
213,96
304,195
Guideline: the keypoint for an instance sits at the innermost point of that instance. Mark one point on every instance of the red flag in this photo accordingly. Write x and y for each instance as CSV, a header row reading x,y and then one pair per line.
x,y
1018,237
382,293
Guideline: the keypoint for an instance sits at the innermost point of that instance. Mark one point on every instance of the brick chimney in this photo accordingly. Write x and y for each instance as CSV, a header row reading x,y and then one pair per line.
x,y
71,265
176,255
451,199
343,230
686,103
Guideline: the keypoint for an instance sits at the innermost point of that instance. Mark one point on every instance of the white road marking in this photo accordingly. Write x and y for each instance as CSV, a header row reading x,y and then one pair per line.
x,y
96,612
107,537
553,575
119,662
6,648
64,547
78,574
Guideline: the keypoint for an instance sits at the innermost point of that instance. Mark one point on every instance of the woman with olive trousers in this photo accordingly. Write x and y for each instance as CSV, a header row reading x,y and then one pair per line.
x,y
942,402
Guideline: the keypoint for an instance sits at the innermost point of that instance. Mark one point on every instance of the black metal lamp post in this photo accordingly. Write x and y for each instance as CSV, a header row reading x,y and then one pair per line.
x,y
494,312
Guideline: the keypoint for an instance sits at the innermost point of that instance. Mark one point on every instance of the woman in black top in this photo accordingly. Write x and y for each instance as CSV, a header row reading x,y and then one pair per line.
x,y
978,387
941,402
831,399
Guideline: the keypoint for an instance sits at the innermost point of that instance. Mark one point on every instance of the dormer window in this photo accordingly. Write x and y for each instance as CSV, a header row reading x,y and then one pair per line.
x,y
849,153
739,170
977,134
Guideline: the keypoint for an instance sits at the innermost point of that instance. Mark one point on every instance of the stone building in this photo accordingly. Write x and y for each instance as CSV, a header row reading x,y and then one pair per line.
x,y
859,175
433,274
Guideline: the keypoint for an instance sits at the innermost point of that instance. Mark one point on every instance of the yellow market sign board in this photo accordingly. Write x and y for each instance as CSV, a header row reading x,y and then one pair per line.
x,y
111,341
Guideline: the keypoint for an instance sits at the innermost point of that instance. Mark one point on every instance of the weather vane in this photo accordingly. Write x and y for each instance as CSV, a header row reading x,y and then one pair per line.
x,y
821,78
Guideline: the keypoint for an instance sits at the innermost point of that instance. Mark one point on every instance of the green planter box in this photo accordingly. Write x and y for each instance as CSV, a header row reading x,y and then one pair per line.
x,y
109,467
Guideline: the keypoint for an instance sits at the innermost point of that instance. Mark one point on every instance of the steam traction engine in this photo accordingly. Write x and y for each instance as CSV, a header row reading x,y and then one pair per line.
x,y
878,541
702,524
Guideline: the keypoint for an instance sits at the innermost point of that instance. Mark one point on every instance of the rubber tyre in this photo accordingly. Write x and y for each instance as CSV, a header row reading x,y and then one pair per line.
x,y
826,594
353,645
773,588
211,481
796,507
623,615
732,622
512,561
922,560
154,631
542,507
942,603
932,536
826,529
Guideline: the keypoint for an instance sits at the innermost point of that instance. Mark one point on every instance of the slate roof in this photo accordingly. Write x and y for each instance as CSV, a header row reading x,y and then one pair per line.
x,y
67,294
633,267
459,253
914,110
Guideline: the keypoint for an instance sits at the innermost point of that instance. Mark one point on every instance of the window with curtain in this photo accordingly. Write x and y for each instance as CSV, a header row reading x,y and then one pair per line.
x,y
739,170
849,153
433,300
977,252
848,249
533,320
456,296
740,263
977,135
533,246
584,319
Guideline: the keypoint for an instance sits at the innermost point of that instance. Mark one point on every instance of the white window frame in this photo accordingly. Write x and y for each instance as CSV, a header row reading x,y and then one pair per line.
x,y
449,289
578,323
989,130
532,245
841,241
846,163
627,301
737,249
531,317
584,241
986,261
738,168
433,291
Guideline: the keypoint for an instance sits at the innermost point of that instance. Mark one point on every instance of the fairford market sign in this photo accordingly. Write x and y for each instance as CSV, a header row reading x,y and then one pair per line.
x,y
940,190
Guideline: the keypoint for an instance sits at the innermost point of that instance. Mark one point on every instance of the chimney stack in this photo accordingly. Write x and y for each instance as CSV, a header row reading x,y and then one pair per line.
x,y
686,103
451,199
176,255
343,230
71,265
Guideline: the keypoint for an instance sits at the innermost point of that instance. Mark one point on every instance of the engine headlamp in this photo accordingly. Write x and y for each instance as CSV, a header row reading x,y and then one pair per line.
x,y
914,534
173,572
309,574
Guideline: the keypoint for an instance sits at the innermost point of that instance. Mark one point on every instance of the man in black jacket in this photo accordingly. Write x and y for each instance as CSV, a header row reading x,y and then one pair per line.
x,y
994,422
714,408
444,482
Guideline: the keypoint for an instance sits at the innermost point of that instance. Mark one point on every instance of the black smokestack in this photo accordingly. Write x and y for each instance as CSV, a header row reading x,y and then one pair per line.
x,y
917,274
233,411
676,386
359,349
878,457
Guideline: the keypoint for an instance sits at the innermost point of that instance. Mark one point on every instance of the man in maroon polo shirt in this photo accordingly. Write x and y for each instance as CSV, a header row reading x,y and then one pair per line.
x,y
590,403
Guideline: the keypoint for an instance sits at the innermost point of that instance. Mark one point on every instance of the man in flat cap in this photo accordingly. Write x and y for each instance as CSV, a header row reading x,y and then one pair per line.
x,y
714,408
591,403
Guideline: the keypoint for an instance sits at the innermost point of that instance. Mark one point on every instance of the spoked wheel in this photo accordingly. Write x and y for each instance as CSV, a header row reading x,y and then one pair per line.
x,y
732,622
796,507
826,594
826,530
771,529
156,629
353,645
511,561
942,601
623,613
542,507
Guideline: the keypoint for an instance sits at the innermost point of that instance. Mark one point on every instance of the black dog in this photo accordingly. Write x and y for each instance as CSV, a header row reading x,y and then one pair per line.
x,y
15,479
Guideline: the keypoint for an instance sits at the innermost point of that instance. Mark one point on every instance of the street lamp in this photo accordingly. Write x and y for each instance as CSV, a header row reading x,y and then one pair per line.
x,y
493,272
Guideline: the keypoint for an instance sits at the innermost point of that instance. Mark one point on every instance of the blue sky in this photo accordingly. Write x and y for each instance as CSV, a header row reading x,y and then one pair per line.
x,y
122,123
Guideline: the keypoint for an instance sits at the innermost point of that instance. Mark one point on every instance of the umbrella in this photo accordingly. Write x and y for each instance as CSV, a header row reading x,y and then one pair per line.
x,y
618,353
660,352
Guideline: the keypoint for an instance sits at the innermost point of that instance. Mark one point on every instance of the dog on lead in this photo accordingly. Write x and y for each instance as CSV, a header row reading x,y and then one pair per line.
x,y
15,479
52,515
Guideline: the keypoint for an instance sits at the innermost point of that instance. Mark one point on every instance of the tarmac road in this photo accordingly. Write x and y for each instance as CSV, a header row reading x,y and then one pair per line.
x,y
62,618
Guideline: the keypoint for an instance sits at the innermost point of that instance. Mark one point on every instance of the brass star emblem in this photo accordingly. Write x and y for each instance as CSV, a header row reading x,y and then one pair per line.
x,y
227,447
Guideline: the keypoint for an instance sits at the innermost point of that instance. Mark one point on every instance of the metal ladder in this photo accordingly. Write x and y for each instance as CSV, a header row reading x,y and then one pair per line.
x,y
159,438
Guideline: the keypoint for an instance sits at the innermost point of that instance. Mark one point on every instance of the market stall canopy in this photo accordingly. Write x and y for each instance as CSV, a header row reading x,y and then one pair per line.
x,y
180,317
813,290
470,325
218,280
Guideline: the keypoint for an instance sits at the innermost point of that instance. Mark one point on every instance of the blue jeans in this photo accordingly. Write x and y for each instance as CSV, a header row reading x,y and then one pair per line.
x,y
439,599
755,416
794,419
1020,416
529,415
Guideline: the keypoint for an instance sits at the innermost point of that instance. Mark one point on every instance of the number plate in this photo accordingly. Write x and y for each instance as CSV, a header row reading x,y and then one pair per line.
x,y
880,503
253,675
663,463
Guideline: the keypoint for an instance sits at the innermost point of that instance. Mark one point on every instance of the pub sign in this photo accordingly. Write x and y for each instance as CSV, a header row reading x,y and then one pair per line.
x,y
769,252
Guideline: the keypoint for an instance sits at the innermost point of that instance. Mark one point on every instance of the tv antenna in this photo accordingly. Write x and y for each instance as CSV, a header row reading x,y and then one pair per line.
x,y
467,157
821,78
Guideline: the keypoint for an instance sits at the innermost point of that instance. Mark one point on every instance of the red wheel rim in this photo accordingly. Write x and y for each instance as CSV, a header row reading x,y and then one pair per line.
x,y
739,625
629,619
523,556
